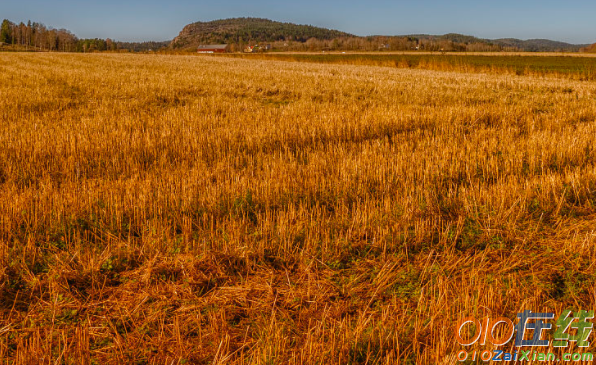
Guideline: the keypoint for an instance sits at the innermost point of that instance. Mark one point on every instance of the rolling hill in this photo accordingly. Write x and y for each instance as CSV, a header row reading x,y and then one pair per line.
x,y
530,45
539,45
240,30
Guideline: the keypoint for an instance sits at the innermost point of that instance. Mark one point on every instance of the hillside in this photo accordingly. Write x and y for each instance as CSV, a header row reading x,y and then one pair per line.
x,y
451,37
530,45
539,45
241,30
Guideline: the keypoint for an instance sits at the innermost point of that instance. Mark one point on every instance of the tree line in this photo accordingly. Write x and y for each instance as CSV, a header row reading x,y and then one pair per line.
x,y
34,36
367,44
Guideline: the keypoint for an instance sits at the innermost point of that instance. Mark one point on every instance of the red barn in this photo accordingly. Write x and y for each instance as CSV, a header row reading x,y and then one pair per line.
x,y
213,48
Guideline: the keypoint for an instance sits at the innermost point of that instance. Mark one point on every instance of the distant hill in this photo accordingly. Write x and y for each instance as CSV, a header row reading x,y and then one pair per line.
x,y
451,37
243,30
530,45
539,45
142,46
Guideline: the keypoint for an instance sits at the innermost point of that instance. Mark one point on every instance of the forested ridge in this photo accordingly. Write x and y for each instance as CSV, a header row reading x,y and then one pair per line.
x,y
240,33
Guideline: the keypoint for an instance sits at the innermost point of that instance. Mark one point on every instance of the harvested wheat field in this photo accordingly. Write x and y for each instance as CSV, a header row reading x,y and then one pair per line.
x,y
163,209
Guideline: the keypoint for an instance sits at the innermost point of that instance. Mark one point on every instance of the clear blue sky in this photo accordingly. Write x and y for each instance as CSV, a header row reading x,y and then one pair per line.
x,y
136,20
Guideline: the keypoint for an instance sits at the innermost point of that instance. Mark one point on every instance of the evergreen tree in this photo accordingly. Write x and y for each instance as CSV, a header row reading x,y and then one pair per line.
x,y
5,32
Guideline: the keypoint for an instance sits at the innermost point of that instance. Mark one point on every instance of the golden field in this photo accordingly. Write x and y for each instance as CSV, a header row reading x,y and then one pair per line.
x,y
163,209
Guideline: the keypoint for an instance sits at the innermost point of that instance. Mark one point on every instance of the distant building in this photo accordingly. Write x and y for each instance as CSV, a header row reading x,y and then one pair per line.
x,y
213,48
257,48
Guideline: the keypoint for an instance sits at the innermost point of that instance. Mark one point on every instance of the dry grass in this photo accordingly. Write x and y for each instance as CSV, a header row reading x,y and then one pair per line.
x,y
574,66
171,209
430,53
